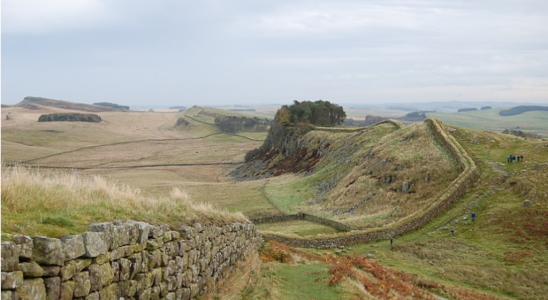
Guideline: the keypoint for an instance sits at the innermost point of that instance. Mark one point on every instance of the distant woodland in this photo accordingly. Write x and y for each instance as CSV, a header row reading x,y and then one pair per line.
x,y
521,109
70,117
467,109
233,124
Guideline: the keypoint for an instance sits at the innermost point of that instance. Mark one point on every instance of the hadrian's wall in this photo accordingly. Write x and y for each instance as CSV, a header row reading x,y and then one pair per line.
x,y
125,260
453,192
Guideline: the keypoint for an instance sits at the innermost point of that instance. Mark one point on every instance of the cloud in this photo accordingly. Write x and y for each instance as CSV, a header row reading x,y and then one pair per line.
x,y
39,16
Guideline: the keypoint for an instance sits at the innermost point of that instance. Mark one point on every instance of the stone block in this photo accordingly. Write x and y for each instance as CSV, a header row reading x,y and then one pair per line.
x,y
48,251
143,231
93,296
24,245
53,288
127,288
110,292
100,276
10,257
67,290
32,289
94,244
51,271
31,269
125,269
8,295
74,246
82,284
11,280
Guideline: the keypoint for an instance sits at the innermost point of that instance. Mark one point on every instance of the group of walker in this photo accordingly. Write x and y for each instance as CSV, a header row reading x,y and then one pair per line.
x,y
512,158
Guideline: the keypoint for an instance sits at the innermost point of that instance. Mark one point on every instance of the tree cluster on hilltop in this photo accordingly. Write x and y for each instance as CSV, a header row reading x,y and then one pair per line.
x,y
320,113
521,109
70,117
233,124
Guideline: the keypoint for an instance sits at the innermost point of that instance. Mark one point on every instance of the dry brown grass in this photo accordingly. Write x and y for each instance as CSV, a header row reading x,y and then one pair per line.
x,y
57,204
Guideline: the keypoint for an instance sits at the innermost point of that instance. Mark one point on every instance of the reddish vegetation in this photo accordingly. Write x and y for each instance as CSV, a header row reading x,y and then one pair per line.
x,y
526,226
379,281
385,283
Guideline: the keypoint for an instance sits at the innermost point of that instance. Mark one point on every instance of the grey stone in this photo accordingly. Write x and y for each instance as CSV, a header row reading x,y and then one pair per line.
x,y
32,289
10,257
82,284
527,203
24,245
8,295
11,280
51,271
93,296
31,269
100,276
109,237
48,251
405,187
53,288
110,292
127,288
94,244
74,246
67,290
143,231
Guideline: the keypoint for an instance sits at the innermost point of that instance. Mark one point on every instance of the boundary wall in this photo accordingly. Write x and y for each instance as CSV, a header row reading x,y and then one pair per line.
x,y
125,260
397,124
306,217
453,192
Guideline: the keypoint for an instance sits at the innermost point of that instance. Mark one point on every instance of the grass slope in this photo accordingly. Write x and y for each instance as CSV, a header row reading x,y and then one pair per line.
x,y
504,252
530,122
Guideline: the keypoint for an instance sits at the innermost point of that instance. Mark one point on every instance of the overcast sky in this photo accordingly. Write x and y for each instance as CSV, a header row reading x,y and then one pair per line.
x,y
213,52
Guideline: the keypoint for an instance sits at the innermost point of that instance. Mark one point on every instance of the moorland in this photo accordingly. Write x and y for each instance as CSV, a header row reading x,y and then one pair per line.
x,y
353,176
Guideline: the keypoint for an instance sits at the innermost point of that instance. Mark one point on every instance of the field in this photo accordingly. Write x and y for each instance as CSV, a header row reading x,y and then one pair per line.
x,y
501,255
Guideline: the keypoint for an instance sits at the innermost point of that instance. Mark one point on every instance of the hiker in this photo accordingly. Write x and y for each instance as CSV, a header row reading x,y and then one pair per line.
x,y
521,158
452,231
473,217
391,242
513,159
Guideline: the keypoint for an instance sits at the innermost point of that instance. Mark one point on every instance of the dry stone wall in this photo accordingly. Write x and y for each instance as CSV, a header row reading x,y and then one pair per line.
x,y
303,216
453,192
125,260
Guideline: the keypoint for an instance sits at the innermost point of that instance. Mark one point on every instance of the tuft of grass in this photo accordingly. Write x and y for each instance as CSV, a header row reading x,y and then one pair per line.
x,y
63,203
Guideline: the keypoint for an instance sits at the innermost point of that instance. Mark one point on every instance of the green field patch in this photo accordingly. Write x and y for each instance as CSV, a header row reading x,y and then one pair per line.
x,y
298,227
305,281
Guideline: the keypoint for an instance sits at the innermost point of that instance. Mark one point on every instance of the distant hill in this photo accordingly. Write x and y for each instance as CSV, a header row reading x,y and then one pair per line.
x,y
33,102
521,109
112,105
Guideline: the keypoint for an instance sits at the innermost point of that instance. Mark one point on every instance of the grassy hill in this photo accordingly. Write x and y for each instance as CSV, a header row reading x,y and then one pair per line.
x,y
535,122
503,254
34,102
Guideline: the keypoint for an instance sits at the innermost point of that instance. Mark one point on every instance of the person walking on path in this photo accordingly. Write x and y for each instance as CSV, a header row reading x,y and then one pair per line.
x,y
473,217
452,231
391,242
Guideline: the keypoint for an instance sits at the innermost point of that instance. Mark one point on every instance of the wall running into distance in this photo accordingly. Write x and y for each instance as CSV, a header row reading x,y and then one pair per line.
x,y
125,260
454,191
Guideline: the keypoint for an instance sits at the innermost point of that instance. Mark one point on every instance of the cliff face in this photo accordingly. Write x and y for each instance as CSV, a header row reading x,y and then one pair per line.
x,y
133,260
